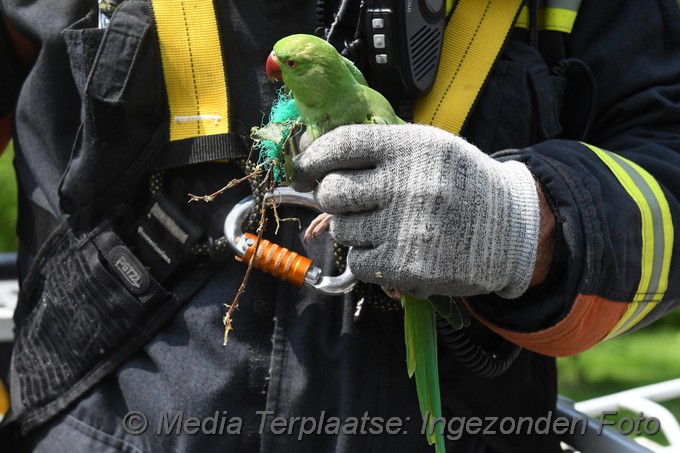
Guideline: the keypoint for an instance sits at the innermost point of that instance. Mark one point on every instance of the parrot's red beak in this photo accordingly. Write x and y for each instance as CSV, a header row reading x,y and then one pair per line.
x,y
273,69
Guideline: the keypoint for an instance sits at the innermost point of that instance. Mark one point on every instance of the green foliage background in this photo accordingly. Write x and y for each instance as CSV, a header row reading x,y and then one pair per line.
x,y
644,357
8,202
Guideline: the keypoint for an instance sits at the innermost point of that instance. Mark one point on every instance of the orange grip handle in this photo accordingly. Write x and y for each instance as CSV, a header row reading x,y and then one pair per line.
x,y
276,260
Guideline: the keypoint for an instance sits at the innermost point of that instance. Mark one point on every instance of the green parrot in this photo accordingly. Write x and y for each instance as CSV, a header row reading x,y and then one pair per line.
x,y
329,91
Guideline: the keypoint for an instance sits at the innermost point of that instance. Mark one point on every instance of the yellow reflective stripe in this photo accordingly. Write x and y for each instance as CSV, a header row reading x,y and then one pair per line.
x,y
473,38
556,19
449,6
192,67
554,15
656,232
523,18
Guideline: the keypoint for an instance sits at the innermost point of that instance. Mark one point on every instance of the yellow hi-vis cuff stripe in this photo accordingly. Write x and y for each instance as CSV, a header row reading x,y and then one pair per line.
x,y
472,40
554,15
192,67
656,232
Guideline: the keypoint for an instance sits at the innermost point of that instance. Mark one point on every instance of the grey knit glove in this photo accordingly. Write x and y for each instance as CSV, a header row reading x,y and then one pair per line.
x,y
424,210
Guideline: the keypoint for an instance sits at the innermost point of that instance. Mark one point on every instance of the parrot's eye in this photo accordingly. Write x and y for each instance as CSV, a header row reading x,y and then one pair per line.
x,y
291,63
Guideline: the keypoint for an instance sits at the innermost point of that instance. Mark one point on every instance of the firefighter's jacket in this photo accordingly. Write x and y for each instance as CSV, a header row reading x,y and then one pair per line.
x,y
592,106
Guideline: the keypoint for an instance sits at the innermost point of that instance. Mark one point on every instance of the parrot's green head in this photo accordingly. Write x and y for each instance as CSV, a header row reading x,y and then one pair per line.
x,y
310,67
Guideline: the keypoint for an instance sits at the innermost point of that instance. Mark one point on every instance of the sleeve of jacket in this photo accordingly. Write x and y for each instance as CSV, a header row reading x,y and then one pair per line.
x,y
616,194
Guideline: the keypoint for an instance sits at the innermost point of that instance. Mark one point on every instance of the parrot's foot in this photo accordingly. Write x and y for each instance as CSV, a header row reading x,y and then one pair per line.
x,y
320,224
392,293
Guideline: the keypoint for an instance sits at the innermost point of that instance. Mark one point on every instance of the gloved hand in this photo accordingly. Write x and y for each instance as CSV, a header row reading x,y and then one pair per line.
x,y
424,210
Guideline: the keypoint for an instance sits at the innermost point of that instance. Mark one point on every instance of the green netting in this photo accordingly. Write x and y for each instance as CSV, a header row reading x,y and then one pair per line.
x,y
270,144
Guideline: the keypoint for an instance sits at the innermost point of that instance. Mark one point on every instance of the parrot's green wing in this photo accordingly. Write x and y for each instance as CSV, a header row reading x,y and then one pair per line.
x,y
356,73
375,119
378,109
420,333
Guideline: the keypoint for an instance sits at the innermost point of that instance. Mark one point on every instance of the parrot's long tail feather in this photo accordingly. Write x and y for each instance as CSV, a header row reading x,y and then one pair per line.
x,y
421,359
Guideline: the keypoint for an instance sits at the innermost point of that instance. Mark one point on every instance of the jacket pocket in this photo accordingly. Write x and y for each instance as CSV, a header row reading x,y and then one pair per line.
x,y
519,104
118,74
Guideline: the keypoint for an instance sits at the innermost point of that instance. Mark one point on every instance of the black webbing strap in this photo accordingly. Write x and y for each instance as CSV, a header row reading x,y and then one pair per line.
x,y
200,149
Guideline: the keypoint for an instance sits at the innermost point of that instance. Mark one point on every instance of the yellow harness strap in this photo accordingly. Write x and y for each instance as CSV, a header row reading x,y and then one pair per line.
x,y
473,39
192,67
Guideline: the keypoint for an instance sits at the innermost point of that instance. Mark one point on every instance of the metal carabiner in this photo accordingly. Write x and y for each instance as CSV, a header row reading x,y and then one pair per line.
x,y
277,260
